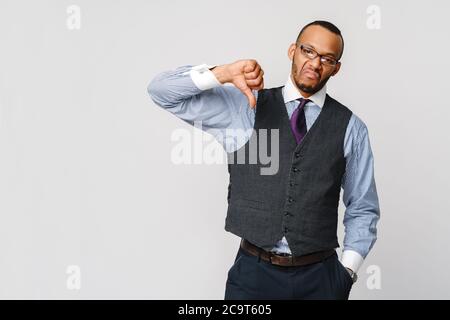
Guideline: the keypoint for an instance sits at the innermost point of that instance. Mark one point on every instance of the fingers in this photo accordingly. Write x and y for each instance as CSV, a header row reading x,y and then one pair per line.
x,y
254,74
249,78
254,79
250,65
260,87
255,82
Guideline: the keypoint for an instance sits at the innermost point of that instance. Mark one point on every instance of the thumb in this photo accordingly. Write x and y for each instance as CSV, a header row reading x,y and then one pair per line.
x,y
251,98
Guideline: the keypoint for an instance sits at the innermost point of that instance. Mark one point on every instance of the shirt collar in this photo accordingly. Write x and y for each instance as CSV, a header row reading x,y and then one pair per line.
x,y
291,92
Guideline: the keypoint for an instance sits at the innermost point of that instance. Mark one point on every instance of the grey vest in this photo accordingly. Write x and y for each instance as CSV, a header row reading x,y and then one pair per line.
x,y
300,201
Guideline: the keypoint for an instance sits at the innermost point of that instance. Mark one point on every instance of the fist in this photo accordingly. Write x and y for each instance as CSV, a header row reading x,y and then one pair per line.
x,y
246,75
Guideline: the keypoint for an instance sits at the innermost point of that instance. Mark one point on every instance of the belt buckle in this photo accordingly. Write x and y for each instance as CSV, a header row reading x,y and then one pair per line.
x,y
272,255
282,256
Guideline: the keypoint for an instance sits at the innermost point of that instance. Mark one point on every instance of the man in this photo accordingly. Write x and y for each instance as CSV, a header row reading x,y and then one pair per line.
x,y
287,220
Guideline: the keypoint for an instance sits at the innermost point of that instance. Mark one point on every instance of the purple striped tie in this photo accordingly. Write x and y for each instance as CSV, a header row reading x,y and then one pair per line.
x,y
298,121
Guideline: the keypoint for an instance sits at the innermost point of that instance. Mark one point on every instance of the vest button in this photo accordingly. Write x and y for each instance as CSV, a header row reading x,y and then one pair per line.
x,y
291,184
286,230
290,199
295,169
297,154
286,213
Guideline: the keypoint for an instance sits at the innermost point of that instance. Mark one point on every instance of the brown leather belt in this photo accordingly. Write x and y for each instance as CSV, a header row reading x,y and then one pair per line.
x,y
285,261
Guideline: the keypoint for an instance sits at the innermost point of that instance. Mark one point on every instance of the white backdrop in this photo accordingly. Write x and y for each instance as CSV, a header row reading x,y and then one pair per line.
x,y
91,205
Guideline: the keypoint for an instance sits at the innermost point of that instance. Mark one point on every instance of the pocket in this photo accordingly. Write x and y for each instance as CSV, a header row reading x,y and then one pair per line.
x,y
345,271
236,262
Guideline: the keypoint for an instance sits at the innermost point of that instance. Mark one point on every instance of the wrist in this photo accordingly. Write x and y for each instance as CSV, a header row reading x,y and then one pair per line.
x,y
353,274
221,73
352,259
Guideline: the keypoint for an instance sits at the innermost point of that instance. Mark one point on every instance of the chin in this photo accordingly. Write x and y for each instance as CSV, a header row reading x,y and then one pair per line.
x,y
307,88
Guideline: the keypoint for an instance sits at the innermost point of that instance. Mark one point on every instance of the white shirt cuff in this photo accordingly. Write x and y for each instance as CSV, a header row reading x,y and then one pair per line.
x,y
352,260
204,78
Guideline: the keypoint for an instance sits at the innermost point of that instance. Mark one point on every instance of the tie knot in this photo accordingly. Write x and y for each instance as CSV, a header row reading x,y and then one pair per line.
x,y
303,101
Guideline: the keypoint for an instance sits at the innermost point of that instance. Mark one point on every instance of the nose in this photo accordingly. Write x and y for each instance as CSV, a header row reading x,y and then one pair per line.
x,y
316,63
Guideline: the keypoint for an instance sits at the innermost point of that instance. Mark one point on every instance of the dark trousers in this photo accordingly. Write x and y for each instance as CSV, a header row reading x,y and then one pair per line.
x,y
253,278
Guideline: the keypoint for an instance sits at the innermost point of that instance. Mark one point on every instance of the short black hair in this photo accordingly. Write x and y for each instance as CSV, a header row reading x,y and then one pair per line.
x,y
327,25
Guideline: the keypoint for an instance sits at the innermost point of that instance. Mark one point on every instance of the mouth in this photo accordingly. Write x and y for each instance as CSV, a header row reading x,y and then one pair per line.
x,y
311,74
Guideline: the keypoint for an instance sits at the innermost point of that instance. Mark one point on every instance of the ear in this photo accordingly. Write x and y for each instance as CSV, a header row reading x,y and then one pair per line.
x,y
336,68
291,51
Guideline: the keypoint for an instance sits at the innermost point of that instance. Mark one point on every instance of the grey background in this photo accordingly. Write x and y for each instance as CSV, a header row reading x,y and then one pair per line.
x,y
85,171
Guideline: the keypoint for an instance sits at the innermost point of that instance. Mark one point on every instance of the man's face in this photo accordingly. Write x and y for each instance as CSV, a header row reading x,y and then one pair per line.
x,y
311,75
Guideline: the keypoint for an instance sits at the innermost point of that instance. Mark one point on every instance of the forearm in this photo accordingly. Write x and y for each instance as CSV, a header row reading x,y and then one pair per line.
x,y
360,197
221,73
170,88
195,95
360,233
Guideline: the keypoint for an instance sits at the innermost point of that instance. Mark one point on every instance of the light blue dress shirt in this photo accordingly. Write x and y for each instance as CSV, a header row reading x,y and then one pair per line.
x,y
192,93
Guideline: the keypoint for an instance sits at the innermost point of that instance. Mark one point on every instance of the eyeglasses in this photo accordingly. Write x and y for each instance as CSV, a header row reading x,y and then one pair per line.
x,y
311,54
